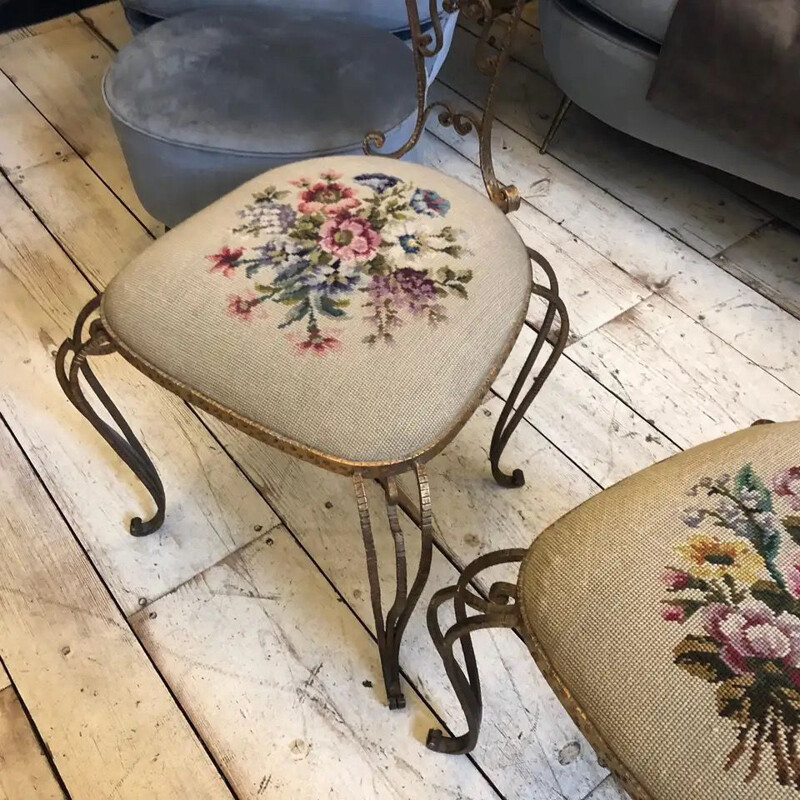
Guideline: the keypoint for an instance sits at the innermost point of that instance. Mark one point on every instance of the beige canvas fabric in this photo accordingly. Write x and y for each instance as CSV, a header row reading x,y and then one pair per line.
x,y
357,306
611,592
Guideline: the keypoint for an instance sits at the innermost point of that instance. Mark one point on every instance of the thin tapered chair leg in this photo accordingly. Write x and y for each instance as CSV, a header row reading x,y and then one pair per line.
x,y
123,442
498,612
389,631
565,106
512,413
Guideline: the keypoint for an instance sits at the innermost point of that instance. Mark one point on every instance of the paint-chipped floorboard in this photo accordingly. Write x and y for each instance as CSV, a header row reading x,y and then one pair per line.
x,y
232,654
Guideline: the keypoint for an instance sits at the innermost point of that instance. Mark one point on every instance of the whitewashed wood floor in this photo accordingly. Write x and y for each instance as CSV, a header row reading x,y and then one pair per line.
x,y
232,653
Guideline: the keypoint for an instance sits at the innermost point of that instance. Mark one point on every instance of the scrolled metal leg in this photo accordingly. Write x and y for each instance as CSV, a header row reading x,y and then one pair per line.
x,y
509,419
124,443
498,612
389,631
563,107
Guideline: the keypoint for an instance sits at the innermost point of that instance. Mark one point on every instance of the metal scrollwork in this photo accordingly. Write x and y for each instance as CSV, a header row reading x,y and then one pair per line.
x,y
123,441
424,46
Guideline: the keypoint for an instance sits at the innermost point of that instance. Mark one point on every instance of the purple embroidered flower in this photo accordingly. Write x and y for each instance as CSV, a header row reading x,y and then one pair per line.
x,y
377,181
334,282
267,217
417,288
787,484
428,202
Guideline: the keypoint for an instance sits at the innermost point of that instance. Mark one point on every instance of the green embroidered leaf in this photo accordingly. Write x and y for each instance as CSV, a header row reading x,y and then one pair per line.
x,y
792,525
378,266
458,289
329,307
777,598
751,491
734,695
699,656
290,297
689,605
269,195
297,313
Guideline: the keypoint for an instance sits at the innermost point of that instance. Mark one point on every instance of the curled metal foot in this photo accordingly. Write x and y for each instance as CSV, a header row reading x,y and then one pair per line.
x,y
389,631
499,611
123,442
512,413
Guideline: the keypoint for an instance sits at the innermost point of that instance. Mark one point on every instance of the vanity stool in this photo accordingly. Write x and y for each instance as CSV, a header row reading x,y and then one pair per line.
x,y
665,614
347,310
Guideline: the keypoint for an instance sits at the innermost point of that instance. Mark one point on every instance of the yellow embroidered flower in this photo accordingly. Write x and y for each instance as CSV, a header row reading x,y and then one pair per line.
x,y
710,557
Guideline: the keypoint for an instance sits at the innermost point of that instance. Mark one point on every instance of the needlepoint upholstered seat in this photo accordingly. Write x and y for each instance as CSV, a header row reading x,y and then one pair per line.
x,y
352,309
665,614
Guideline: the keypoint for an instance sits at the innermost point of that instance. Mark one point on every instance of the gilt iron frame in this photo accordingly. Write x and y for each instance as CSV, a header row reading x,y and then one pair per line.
x,y
506,196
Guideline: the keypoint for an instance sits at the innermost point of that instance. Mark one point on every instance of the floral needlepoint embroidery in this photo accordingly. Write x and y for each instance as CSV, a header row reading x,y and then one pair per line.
x,y
330,242
738,587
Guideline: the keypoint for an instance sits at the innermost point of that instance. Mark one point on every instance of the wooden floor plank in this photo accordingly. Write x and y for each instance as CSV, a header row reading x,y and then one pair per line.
x,y
594,289
108,21
282,640
25,773
609,789
784,208
752,324
41,292
27,31
61,73
100,707
663,188
473,515
689,382
586,421
769,261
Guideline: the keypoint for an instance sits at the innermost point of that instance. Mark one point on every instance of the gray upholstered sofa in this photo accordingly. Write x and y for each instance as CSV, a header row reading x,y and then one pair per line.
x,y
603,53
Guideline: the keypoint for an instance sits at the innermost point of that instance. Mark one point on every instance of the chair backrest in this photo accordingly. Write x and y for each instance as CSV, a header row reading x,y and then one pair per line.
x,y
428,42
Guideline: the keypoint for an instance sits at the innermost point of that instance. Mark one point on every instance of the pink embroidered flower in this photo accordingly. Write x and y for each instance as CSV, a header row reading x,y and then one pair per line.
x,y
242,306
315,342
351,239
331,175
673,613
225,260
788,562
753,631
787,484
330,198
675,579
